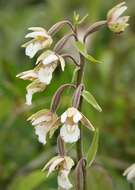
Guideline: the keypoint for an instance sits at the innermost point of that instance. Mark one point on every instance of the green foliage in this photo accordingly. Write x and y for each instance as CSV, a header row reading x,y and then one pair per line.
x,y
93,148
28,182
81,48
91,100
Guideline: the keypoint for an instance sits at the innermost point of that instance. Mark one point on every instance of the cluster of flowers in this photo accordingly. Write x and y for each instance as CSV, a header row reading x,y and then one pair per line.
x,y
45,121
46,63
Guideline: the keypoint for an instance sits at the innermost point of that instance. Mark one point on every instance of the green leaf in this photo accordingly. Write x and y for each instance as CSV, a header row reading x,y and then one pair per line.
x,y
29,182
91,100
83,19
81,48
93,148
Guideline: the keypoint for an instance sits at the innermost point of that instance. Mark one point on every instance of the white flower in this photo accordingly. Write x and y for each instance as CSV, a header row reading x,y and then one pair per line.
x,y
116,23
32,88
45,73
40,40
63,165
47,63
43,121
70,131
130,173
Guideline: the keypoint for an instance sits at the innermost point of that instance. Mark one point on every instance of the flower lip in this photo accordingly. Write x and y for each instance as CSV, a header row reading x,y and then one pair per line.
x,y
35,86
70,131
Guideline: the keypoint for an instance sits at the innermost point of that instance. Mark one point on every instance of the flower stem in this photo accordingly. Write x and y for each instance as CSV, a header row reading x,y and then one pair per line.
x,y
79,80
93,28
79,142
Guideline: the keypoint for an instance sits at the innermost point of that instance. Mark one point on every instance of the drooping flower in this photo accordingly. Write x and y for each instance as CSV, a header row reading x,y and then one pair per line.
x,y
116,22
47,63
130,173
32,88
63,165
40,40
70,119
43,120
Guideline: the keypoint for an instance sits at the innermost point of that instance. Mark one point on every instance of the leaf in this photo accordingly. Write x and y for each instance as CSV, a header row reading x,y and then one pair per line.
x,y
91,100
93,148
83,19
77,19
81,48
29,182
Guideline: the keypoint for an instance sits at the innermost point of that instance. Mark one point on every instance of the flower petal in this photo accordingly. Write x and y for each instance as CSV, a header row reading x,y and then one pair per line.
x,y
119,12
36,34
63,180
131,175
54,164
29,97
70,136
50,162
35,86
77,117
63,117
37,29
130,172
43,56
45,75
50,59
69,163
41,131
62,62
32,49
27,75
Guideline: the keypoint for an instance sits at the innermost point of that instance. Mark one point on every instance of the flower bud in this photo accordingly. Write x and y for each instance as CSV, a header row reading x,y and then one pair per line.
x,y
116,22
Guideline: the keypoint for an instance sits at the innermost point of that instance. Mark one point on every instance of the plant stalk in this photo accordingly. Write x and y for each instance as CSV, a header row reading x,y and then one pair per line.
x,y
79,142
79,147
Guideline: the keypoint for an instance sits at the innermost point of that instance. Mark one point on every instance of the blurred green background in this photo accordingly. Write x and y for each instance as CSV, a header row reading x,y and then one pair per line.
x,y
112,83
